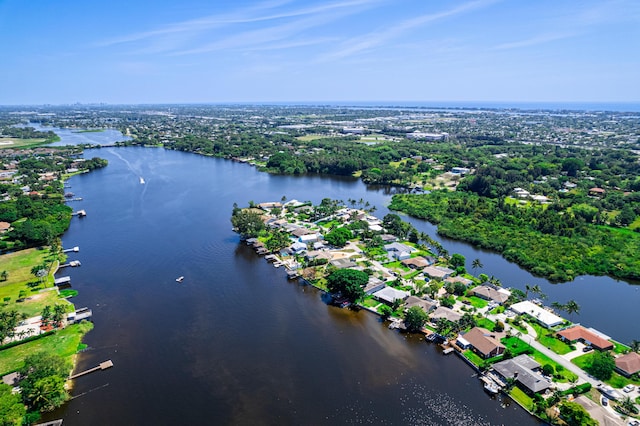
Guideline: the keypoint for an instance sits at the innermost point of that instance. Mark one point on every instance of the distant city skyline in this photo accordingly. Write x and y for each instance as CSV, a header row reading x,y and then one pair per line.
x,y
199,51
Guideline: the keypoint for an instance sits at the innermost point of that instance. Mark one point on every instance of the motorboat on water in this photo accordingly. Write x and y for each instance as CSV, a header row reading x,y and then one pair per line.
x,y
180,279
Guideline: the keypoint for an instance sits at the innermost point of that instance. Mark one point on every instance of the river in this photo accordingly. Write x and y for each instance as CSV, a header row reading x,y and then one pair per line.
x,y
235,342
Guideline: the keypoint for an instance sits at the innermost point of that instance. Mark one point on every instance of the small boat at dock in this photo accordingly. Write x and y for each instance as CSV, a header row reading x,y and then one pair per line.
x,y
491,388
180,279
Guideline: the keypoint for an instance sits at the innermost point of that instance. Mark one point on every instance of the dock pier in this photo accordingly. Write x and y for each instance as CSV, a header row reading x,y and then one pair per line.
x,y
79,213
75,249
103,366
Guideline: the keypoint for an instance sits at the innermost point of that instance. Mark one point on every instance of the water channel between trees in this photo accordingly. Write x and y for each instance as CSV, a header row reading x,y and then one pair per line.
x,y
236,342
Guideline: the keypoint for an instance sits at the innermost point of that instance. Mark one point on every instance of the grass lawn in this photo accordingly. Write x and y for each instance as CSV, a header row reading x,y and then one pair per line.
x,y
515,345
475,301
620,348
370,302
549,341
616,381
525,400
473,357
18,265
486,323
20,143
64,343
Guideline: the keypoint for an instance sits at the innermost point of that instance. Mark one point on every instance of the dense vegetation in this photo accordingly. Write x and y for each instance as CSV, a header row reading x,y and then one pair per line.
x,y
551,243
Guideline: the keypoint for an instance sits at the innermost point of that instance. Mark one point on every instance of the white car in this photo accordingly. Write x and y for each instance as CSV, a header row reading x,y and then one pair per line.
x,y
627,389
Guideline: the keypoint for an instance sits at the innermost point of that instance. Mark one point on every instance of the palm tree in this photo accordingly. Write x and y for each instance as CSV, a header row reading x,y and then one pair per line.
x,y
572,307
527,287
558,306
538,291
476,264
635,345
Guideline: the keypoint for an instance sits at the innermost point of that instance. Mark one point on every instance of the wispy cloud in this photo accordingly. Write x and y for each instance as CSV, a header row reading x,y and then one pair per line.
x,y
536,40
173,37
377,38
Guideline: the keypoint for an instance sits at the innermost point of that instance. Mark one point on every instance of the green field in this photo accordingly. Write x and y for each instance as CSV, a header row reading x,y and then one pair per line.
x,y
64,343
18,265
20,143
550,341
525,400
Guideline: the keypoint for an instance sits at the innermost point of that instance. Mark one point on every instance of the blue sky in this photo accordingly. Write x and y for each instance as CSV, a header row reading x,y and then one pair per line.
x,y
132,51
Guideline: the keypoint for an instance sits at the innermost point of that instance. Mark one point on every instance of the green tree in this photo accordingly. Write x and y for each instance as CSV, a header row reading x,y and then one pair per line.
x,y
349,283
601,366
572,307
457,260
338,237
385,311
12,409
277,240
575,415
44,377
247,223
4,275
415,319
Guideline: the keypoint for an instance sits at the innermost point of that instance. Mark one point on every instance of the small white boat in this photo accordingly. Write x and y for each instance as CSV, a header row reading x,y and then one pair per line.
x,y
491,388
141,181
180,279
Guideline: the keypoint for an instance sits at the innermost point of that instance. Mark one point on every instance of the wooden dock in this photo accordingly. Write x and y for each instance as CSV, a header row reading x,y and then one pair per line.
x,y
74,249
103,366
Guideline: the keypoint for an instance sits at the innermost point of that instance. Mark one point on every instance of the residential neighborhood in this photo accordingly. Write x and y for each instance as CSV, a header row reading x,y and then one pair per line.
x,y
519,346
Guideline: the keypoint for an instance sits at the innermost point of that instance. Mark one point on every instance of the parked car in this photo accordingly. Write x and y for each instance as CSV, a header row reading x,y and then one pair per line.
x,y
627,389
605,401
586,349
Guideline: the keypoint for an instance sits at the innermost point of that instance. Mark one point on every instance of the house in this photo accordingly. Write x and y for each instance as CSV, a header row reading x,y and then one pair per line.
x,y
270,205
298,247
301,231
343,263
524,370
446,313
374,284
388,238
427,305
4,227
309,238
460,170
458,279
399,251
483,342
499,295
390,295
597,192
544,317
417,262
318,254
438,272
628,364
588,337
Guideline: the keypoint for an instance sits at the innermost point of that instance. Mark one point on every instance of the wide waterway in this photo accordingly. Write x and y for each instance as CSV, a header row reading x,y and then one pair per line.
x,y
235,342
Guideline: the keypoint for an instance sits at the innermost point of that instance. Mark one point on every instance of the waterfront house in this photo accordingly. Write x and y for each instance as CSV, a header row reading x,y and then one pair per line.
x,y
417,262
298,247
596,192
544,317
438,272
390,295
483,342
399,251
498,295
427,305
388,238
525,371
309,238
270,205
588,337
458,279
446,313
374,284
628,364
